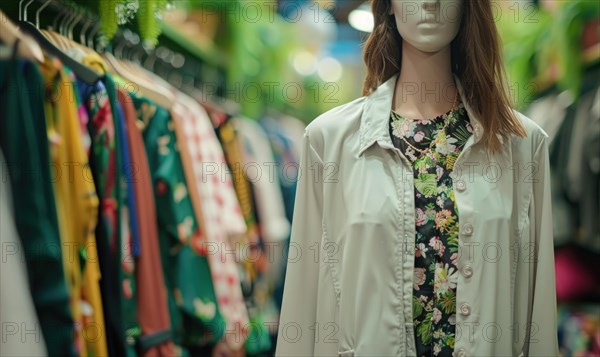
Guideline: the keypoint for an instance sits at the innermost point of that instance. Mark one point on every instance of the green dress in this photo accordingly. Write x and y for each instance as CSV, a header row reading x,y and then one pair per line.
x,y
24,142
436,216
195,317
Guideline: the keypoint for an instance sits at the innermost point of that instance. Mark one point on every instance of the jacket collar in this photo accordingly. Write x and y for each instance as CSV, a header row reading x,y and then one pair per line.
x,y
378,108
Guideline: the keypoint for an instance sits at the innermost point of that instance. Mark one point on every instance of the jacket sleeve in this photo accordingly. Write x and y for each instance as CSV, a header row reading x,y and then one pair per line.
x,y
296,336
541,329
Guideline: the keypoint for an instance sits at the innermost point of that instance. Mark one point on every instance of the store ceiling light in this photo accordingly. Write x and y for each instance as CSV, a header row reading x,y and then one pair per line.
x,y
361,18
330,69
304,63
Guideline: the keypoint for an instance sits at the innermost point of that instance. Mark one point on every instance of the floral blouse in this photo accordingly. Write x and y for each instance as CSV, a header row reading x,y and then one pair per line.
x,y
436,250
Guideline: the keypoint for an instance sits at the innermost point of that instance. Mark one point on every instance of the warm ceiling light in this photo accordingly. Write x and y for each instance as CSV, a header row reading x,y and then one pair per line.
x,y
330,69
361,18
305,63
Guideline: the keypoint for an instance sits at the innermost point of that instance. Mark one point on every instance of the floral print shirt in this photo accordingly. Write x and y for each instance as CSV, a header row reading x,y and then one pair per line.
x,y
436,216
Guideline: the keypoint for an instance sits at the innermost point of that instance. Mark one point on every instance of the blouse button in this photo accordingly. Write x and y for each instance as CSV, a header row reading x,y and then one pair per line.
x,y
467,229
461,185
467,271
465,309
460,353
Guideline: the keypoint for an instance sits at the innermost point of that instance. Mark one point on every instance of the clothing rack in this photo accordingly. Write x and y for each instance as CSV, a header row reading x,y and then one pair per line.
x,y
150,213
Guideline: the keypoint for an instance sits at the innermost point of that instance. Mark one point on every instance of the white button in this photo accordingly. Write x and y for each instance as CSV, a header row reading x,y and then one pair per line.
x,y
460,353
467,229
461,185
467,271
465,309
347,353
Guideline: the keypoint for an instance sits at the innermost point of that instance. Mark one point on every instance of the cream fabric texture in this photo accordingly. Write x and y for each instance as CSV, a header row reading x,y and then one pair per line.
x,y
349,279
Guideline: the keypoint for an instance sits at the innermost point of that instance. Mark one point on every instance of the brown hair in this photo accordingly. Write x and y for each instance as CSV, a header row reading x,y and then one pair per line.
x,y
476,60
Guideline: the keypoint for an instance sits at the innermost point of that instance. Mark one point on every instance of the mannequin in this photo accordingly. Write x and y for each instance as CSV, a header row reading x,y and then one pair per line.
x,y
403,192
426,32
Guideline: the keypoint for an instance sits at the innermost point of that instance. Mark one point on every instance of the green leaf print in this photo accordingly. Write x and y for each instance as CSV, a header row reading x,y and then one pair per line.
x,y
461,134
430,211
423,163
448,302
417,307
453,236
426,184
451,196
450,221
451,160
424,329
441,136
449,341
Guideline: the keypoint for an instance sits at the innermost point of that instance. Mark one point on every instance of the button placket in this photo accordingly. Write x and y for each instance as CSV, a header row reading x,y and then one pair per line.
x,y
467,229
465,309
467,271
460,353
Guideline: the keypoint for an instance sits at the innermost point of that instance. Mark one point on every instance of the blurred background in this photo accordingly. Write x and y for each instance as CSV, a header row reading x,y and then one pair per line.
x,y
257,72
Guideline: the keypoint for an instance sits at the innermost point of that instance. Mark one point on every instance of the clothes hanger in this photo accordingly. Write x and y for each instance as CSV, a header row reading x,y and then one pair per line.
x,y
69,45
133,65
92,35
85,43
150,90
27,47
82,72
82,38
52,35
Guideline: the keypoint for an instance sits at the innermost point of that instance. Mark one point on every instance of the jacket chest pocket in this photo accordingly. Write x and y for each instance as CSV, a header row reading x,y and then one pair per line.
x,y
370,192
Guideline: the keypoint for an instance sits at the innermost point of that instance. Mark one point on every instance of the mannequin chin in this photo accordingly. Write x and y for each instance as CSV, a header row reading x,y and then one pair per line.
x,y
427,25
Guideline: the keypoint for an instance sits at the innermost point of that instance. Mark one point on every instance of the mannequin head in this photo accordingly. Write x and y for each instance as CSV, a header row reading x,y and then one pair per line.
x,y
468,27
427,25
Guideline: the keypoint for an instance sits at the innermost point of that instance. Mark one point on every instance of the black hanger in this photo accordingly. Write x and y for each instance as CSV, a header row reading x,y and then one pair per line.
x,y
82,72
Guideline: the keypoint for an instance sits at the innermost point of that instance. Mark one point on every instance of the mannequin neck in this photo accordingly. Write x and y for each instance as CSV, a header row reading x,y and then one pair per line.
x,y
425,86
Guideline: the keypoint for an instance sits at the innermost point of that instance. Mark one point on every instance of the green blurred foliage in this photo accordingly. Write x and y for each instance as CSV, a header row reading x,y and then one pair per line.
x,y
145,14
538,42
259,44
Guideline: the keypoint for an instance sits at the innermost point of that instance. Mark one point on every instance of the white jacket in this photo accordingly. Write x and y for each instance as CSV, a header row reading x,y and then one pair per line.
x,y
349,281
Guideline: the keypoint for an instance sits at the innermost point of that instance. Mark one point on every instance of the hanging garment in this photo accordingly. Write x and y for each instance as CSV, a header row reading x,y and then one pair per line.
x,y
122,248
264,175
578,326
220,194
155,339
223,219
349,280
293,129
233,154
205,327
21,335
128,240
254,259
286,157
103,164
128,178
77,209
286,134
263,172
103,156
121,244
187,276
24,142
582,184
